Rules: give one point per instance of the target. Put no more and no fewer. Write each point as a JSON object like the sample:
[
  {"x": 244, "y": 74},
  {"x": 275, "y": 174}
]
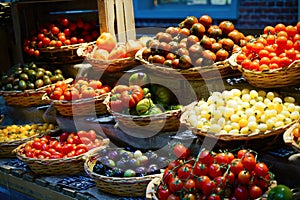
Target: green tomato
[
  {"x": 143, "y": 106},
  {"x": 129, "y": 173},
  {"x": 154, "y": 110},
  {"x": 280, "y": 192}
]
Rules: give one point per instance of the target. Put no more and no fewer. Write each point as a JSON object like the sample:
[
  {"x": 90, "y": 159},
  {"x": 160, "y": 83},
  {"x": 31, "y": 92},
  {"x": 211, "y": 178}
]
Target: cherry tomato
[
  {"x": 184, "y": 172},
  {"x": 206, "y": 157},
  {"x": 244, "y": 177},
  {"x": 222, "y": 158},
  {"x": 214, "y": 170},
  {"x": 249, "y": 163},
  {"x": 208, "y": 187},
  {"x": 163, "y": 192},
  {"x": 214, "y": 197},
  {"x": 63, "y": 137},
  {"x": 190, "y": 185},
  {"x": 80, "y": 151},
  {"x": 200, "y": 181},
  {"x": 200, "y": 169},
  {"x": 261, "y": 169},
  {"x": 255, "y": 192},
  {"x": 37, "y": 145},
  {"x": 67, "y": 148},
  {"x": 180, "y": 151},
  {"x": 236, "y": 166},
  {"x": 175, "y": 185},
  {"x": 241, "y": 192}
]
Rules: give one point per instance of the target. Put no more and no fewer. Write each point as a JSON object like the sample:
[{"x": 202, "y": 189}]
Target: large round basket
[
  {"x": 122, "y": 186},
  {"x": 289, "y": 138},
  {"x": 151, "y": 193},
  {"x": 276, "y": 78},
  {"x": 27, "y": 98},
  {"x": 61, "y": 166},
  {"x": 62, "y": 55},
  {"x": 79, "y": 107},
  {"x": 163, "y": 122},
  {"x": 218, "y": 70},
  {"x": 254, "y": 140},
  {"x": 6, "y": 148}
]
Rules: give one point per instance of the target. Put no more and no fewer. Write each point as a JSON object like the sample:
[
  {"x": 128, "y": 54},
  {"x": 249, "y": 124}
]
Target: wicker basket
[
  {"x": 276, "y": 78},
  {"x": 257, "y": 140},
  {"x": 288, "y": 137},
  {"x": 153, "y": 184},
  {"x": 218, "y": 70},
  {"x": 6, "y": 148},
  {"x": 62, "y": 55},
  {"x": 80, "y": 107},
  {"x": 125, "y": 186},
  {"x": 62, "y": 166},
  {"x": 164, "y": 122},
  {"x": 27, "y": 98}
]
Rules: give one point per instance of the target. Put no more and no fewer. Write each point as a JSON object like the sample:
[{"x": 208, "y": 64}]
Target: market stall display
[
  {"x": 59, "y": 156},
  {"x": 291, "y": 136},
  {"x": 80, "y": 98}
]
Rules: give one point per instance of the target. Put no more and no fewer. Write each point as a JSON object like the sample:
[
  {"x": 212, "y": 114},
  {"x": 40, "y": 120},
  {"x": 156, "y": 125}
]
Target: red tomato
[
  {"x": 222, "y": 158},
  {"x": 92, "y": 135},
  {"x": 167, "y": 175},
  {"x": 241, "y": 193},
  {"x": 63, "y": 137},
  {"x": 71, "y": 154},
  {"x": 220, "y": 181},
  {"x": 85, "y": 140},
  {"x": 180, "y": 151},
  {"x": 255, "y": 192},
  {"x": 249, "y": 163},
  {"x": 200, "y": 169},
  {"x": 53, "y": 143},
  {"x": 29, "y": 154},
  {"x": 190, "y": 185},
  {"x": 81, "y": 146},
  {"x": 57, "y": 93},
  {"x": 37, "y": 145},
  {"x": 88, "y": 92},
  {"x": 132, "y": 96},
  {"x": 175, "y": 185},
  {"x": 95, "y": 84},
  {"x": 52, "y": 151},
  {"x": 107, "y": 88},
  {"x": 230, "y": 177},
  {"x": 46, "y": 154},
  {"x": 261, "y": 169},
  {"x": 241, "y": 153},
  {"x": 67, "y": 148},
  {"x": 58, "y": 147},
  {"x": 244, "y": 177},
  {"x": 214, "y": 197},
  {"x": 163, "y": 192},
  {"x": 208, "y": 187},
  {"x": 236, "y": 166},
  {"x": 214, "y": 170},
  {"x": 200, "y": 181},
  {"x": 80, "y": 151},
  {"x": 173, "y": 164},
  {"x": 184, "y": 172},
  {"x": 28, "y": 148},
  {"x": 206, "y": 157}
]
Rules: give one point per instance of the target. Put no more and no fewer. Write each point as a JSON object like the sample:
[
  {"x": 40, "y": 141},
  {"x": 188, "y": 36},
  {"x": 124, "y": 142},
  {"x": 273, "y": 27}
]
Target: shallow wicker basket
[
  {"x": 79, "y": 107},
  {"x": 151, "y": 189},
  {"x": 276, "y": 78},
  {"x": 164, "y": 122},
  {"x": 122, "y": 186},
  {"x": 218, "y": 70},
  {"x": 62, "y": 55},
  {"x": 6, "y": 148},
  {"x": 288, "y": 137},
  {"x": 62, "y": 166},
  {"x": 234, "y": 140},
  {"x": 27, "y": 98}
]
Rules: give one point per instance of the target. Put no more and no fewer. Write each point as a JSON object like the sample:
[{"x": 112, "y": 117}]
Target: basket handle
[{"x": 2, "y": 118}]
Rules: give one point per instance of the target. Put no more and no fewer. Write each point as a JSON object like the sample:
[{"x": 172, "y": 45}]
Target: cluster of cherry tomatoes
[
  {"x": 60, "y": 33},
  {"x": 277, "y": 47},
  {"x": 214, "y": 176},
  {"x": 68, "y": 145},
  {"x": 79, "y": 90}
]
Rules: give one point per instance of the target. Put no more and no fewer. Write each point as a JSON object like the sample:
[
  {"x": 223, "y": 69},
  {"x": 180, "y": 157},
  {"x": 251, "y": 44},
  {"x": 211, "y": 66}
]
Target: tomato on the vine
[
  {"x": 244, "y": 177},
  {"x": 184, "y": 172},
  {"x": 255, "y": 192},
  {"x": 175, "y": 185},
  {"x": 261, "y": 169},
  {"x": 163, "y": 192},
  {"x": 180, "y": 151},
  {"x": 206, "y": 157},
  {"x": 200, "y": 169}
]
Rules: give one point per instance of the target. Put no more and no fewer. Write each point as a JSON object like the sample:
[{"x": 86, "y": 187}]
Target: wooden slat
[
  {"x": 129, "y": 20},
  {"x": 102, "y": 16},
  {"x": 120, "y": 21},
  {"x": 111, "y": 16}
]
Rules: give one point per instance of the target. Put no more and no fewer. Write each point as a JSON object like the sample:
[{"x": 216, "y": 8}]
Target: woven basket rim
[
  {"x": 77, "y": 101},
  {"x": 31, "y": 91},
  {"x": 65, "y": 47},
  {"x": 224, "y": 137},
  {"x": 143, "y": 117},
  {"x": 288, "y": 137},
  {"x": 21, "y": 141},
  {"x": 193, "y": 70},
  {"x": 131, "y": 180}
]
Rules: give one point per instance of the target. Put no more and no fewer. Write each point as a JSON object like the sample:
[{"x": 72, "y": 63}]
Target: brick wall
[{"x": 255, "y": 14}]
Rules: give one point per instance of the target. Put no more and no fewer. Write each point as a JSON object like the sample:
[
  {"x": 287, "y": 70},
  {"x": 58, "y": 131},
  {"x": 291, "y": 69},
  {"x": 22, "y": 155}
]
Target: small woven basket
[
  {"x": 288, "y": 137},
  {"x": 154, "y": 183},
  {"x": 164, "y": 122},
  {"x": 276, "y": 78},
  {"x": 122, "y": 186},
  {"x": 6, "y": 148},
  {"x": 27, "y": 98},
  {"x": 218, "y": 70},
  {"x": 79, "y": 107},
  {"x": 234, "y": 140},
  {"x": 62, "y": 166},
  {"x": 62, "y": 55}
]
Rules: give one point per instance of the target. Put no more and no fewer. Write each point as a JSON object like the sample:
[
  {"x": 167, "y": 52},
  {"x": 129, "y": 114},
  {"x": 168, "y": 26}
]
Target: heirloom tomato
[{"x": 132, "y": 96}]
